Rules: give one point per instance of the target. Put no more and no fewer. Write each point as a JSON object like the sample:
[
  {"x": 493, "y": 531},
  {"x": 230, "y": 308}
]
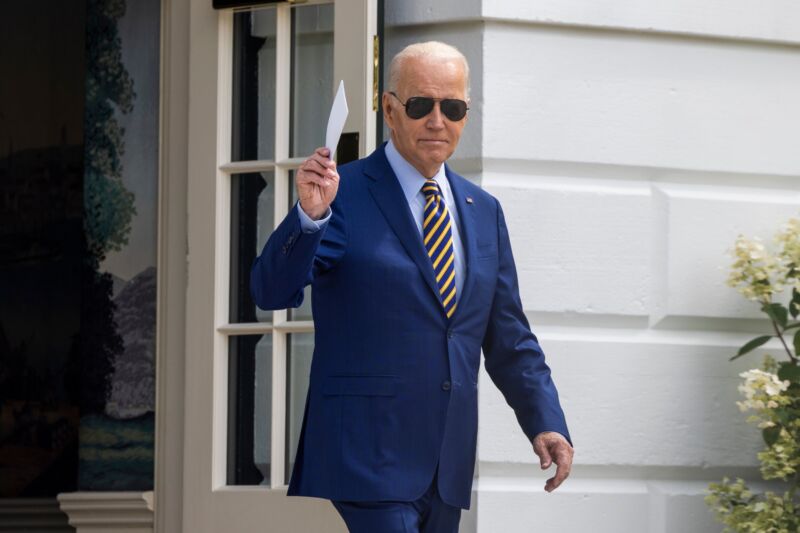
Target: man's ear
[{"x": 386, "y": 104}]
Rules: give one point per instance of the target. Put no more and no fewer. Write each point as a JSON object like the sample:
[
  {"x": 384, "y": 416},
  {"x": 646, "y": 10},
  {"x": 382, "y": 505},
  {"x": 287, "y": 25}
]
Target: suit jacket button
[
  {"x": 450, "y": 334},
  {"x": 445, "y": 385}
]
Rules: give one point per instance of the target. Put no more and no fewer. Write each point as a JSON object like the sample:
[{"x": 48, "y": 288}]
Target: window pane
[
  {"x": 253, "y": 135},
  {"x": 252, "y": 221},
  {"x": 300, "y": 349},
  {"x": 249, "y": 409},
  {"x": 312, "y": 76},
  {"x": 304, "y": 311}
]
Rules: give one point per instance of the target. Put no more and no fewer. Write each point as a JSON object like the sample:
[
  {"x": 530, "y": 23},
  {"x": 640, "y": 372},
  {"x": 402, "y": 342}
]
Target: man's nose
[{"x": 435, "y": 118}]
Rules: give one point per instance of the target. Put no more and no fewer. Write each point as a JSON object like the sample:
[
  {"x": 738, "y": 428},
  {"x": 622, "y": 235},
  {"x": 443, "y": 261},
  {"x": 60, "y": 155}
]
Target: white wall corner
[{"x": 109, "y": 512}]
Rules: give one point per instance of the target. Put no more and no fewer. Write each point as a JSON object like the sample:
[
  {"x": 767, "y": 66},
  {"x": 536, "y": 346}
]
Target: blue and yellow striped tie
[{"x": 437, "y": 236}]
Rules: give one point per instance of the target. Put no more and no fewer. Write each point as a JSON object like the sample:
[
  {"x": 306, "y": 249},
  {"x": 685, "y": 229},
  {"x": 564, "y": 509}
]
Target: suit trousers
[{"x": 426, "y": 514}]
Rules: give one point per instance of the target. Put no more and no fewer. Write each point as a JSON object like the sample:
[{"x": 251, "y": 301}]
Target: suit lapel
[
  {"x": 388, "y": 194},
  {"x": 466, "y": 216}
]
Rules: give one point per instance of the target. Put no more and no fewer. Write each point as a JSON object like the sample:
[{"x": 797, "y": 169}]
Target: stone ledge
[
  {"x": 109, "y": 512},
  {"x": 32, "y": 515}
]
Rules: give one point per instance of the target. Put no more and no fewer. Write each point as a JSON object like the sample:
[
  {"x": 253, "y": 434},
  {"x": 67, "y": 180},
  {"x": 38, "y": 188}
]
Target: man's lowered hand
[{"x": 552, "y": 447}]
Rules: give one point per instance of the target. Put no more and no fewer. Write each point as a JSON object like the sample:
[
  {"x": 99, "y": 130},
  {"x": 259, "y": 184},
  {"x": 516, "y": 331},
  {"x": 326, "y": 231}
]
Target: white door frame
[
  {"x": 208, "y": 504},
  {"x": 172, "y": 267}
]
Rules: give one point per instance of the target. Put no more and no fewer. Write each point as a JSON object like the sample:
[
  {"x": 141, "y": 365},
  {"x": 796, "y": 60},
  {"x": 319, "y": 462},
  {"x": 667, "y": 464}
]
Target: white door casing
[{"x": 210, "y": 504}]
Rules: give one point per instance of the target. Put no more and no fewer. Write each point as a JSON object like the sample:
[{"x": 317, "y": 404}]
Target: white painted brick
[
  {"x": 604, "y": 97},
  {"x": 525, "y": 510},
  {"x": 774, "y": 20},
  {"x": 602, "y": 505},
  {"x": 679, "y": 506},
  {"x": 581, "y": 250},
  {"x": 769, "y": 20},
  {"x": 701, "y": 228},
  {"x": 633, "y": 402}
]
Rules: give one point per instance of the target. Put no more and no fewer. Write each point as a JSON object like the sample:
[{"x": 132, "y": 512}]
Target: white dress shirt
[{"x": 411, "y": 181}]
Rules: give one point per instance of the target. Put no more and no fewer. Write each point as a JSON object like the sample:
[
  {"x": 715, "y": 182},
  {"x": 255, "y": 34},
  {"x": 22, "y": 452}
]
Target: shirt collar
[{"x": 409, "y": 177}]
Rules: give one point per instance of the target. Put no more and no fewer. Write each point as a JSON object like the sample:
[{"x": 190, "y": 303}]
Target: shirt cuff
[{"x": 310, "y": 225}]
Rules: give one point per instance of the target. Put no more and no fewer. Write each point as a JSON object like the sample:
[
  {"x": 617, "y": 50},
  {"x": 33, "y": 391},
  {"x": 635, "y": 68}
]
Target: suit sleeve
[
  {"x": 292, "y": 258},
  {"x": 513, "y": 358}
]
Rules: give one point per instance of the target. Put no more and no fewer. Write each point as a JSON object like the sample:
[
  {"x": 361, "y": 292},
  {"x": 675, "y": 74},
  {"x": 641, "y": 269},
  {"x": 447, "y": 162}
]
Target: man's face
[{"x": 428, "y": 141}]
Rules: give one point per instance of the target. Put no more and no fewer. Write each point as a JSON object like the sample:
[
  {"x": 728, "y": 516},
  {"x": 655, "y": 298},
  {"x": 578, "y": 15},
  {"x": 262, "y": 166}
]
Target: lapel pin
[{"x": 469, "y": 199}]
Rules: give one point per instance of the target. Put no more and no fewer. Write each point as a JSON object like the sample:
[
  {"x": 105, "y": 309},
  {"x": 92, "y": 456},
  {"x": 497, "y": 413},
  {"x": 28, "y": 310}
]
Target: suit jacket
[{"x": 393, "y": 388}]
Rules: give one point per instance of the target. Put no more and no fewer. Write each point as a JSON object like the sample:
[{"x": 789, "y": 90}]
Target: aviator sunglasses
[{"x": 419, "y": 106}]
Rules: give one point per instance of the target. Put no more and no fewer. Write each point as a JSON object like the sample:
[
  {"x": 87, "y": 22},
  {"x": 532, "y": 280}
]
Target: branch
[{"x": 779, "y": 334}]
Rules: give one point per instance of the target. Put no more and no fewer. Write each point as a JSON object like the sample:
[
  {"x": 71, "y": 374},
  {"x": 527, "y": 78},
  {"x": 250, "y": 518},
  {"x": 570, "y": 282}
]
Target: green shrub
[{"x": 772, "y": 393}]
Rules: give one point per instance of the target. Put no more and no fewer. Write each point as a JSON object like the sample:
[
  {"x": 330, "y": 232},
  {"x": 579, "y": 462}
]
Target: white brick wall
[{"x": 629, "y": 143}]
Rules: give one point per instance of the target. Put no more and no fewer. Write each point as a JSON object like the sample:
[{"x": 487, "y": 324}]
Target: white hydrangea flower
[
  {"x": 754, "y": 272},
  {"x": 758, "y": 386}
]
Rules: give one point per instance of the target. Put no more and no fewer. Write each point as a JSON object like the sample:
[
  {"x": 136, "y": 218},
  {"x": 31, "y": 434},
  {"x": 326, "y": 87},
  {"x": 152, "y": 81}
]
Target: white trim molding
[
  {"x": 172, "y": 265},
  {"x": 109, "y": 512},
  {"x": 32, "y": 515}
]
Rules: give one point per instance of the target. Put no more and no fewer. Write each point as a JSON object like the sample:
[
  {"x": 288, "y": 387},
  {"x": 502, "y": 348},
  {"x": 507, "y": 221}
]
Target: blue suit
[{"x": 394, "y": 383}]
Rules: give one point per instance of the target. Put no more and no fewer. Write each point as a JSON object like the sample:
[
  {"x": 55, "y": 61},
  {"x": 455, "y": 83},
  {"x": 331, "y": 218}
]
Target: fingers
[
  {"x": 551, "y": 448},
  {"x": 312, "y": 171},
  {"x": 563, "y": 459},
  {"x": 317, "y": 165},
  {"x": 540, "y": 448},
  {"x": 313, "y": 167},
  {"x": 322, "y": 156},
  {"x": 305, "y": 176}
]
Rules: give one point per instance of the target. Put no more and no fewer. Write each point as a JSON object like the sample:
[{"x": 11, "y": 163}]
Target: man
[{"x": 412, "y": 275}]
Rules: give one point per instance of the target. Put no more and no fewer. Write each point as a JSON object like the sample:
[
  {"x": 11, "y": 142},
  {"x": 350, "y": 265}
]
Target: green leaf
[
  {"x": 794, "y": 306},
  {"x": 783, "y": 415},
  {"x": 777, "y": 312},
  {"x": 752, "y": 345},
  {"x": 792, "y": 326},
  {"x": 789, "y": 371},
  {"x": 771, "y": 435},
  {"x": 797, "y": 343}
]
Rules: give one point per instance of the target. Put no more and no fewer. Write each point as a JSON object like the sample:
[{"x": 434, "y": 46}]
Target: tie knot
[{"x": 431, "y": 188}]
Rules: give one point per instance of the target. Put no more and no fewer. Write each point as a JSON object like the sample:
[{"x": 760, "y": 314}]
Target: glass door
[{"x": 276, "y": 68}]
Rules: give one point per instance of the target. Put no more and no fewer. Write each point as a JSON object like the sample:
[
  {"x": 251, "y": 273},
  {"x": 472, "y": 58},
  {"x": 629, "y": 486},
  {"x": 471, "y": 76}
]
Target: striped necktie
[{"x": 437, "y": 236}]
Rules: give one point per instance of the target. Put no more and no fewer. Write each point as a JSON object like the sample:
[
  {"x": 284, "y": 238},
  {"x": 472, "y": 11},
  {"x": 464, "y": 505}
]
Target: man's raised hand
[
  {"x": 552, "y": 447},
  {"x": 317, "y": 182}
]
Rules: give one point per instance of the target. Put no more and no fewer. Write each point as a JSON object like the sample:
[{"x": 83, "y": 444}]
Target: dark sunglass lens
[
  {"x": 454, "y": 109},
  {"x": 418, "y": 106}
]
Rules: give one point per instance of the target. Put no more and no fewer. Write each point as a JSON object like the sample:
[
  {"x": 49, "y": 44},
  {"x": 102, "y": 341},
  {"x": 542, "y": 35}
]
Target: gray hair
[{"x": 429, "y": 49}]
